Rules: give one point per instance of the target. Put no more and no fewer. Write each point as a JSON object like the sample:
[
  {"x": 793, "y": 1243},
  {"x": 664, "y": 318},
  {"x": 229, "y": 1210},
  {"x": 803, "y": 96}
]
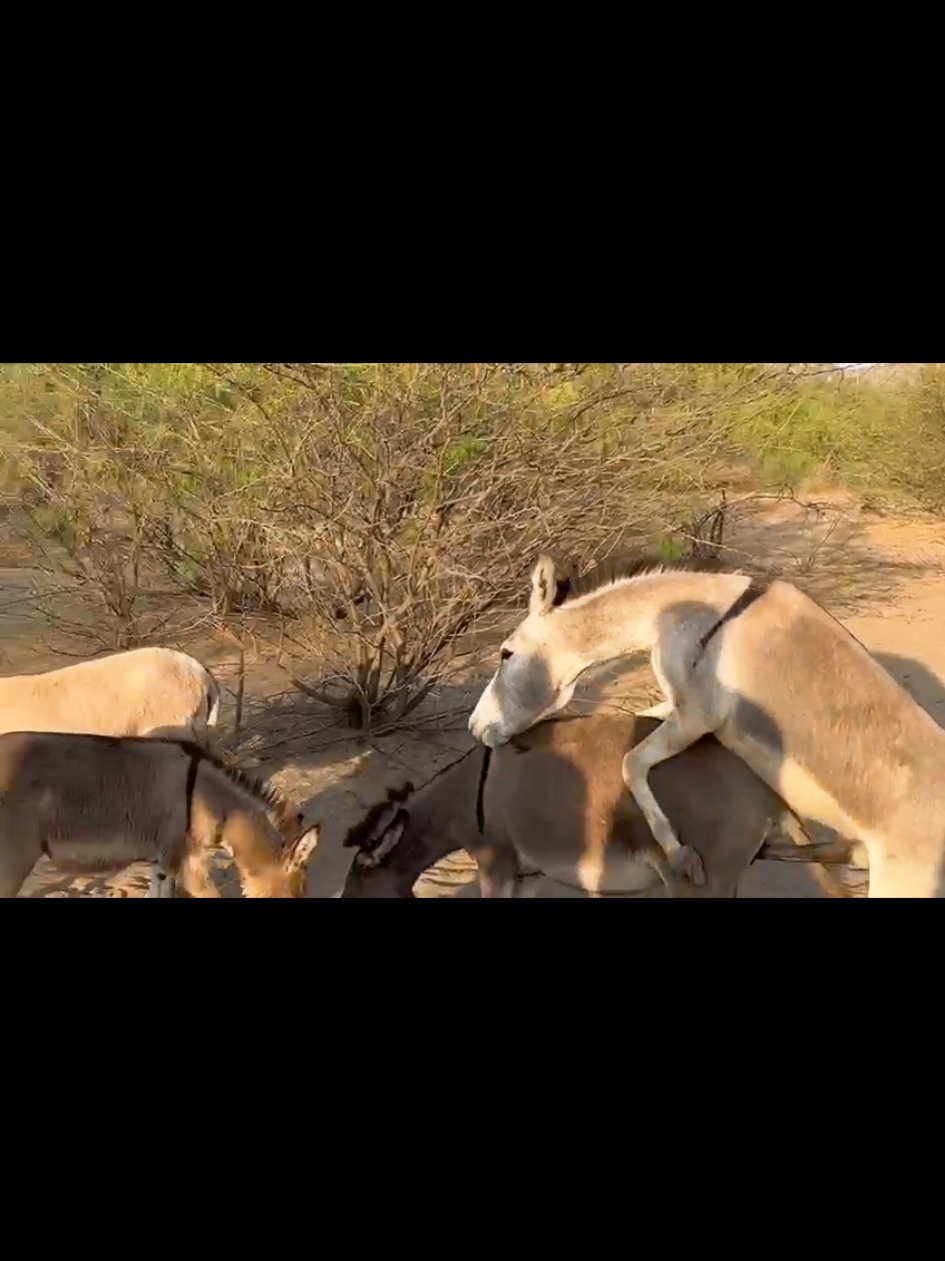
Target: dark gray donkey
[{"x": 555, "y": 804}]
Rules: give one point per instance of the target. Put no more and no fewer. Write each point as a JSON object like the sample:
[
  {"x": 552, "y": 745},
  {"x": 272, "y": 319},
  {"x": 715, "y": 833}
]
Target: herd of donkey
[{"x": 775, "y": 718}]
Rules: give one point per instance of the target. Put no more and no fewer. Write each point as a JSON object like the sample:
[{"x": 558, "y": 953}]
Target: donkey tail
[{"x": 214, "y": 700}]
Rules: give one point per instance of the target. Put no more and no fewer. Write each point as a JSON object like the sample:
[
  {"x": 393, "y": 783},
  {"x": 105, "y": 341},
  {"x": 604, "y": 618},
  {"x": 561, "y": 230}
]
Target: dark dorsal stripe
[
  {"x": 753, "y": 593},
  {"x": 265, "y": 793},
  {"x": 481, "y": 796},
  {"x": 195, "y": 757}
]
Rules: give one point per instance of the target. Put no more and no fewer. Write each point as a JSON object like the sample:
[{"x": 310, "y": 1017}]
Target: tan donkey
[
  {"x": 125, "y": 694},
  {"x": 554, "y": 803},
  {"x": 98, "y": 803},
  {"x": 774, "y": 677}
]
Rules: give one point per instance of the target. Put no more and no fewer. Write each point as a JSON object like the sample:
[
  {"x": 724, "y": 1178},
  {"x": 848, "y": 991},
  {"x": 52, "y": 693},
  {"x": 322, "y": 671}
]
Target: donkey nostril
[{"x": 507, "y": 655}]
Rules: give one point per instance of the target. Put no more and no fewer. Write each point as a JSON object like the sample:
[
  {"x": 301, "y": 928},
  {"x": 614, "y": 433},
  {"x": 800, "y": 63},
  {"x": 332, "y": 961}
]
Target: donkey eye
[{"x": 507, "y": 655}]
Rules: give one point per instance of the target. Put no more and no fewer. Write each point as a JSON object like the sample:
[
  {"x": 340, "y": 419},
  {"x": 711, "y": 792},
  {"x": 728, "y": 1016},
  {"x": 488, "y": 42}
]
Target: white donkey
[
  {"x": 127, "y": 694},
  {"x": 768, "y": 672}
]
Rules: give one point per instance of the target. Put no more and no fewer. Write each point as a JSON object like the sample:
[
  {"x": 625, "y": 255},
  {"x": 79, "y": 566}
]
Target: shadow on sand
[{"x": 925, "y": 688}]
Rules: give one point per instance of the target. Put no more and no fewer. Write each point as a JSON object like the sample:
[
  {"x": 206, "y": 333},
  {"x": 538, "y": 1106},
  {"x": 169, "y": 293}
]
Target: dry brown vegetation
[{"x": 368, "y": 524}]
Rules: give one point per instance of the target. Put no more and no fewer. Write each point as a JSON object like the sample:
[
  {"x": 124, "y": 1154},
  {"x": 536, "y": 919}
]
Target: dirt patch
[{"x": 885, "y": 579}]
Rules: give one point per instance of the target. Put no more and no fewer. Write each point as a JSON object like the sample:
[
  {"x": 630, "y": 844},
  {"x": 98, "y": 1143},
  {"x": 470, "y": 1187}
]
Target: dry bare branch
[{"x": 379, "y": 519}]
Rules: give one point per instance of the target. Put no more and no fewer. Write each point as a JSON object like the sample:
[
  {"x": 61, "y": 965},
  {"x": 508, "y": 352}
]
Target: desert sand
[{"x": 884, "y": 578}]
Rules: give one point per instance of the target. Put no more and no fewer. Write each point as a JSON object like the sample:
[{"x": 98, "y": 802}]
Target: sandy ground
[{"x": 885, "y": 579}]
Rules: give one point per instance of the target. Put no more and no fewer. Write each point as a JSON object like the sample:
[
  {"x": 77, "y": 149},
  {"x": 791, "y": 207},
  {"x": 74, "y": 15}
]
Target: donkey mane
[
  {"x": 264, "y": 791},
  {"x": 618, "y": 569}
]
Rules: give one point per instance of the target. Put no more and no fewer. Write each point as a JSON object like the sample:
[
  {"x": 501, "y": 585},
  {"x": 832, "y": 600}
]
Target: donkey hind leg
[
  {"x": 892, "y": 878},
  {"x": 14, "y": 872},
  {"x": 20, "y": 850},
  {"x": 678, "y": 733}
]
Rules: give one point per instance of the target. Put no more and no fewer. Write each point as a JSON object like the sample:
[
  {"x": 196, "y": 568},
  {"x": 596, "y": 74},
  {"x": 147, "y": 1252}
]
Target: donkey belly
[
  {"x": 103, "y": 851},
  {"x": 614, "y": 872}
]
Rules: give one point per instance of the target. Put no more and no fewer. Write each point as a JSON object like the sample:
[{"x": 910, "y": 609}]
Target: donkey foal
[{"x": 98, "y": 803}]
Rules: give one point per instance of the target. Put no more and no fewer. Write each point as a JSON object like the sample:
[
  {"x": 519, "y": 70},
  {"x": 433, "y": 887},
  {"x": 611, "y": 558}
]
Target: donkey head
[
  {"x": 374, "y": 873},
  {"x": 541, "y": 664},
  {"x": 284, "y": 877}
]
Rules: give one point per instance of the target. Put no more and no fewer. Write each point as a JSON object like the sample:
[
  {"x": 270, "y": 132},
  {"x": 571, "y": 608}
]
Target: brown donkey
[
  {"x": 100, "y": 803},
  {"x": 555, "y": 804}
]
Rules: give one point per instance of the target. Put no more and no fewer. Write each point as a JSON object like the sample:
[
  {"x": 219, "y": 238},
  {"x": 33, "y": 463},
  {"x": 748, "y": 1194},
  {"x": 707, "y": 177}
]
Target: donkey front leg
[
  {"x": 677, "y": 733},
  {"x": 161, "y": 884},
  {"x": 661, "y": 712},
  {"x": 196, "y": 875}
]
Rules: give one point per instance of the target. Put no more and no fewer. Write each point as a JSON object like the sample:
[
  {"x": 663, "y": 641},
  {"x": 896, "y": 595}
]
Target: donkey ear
[
  {"x": 544, "y": 587},
  {"x": 303, "y": 849}
]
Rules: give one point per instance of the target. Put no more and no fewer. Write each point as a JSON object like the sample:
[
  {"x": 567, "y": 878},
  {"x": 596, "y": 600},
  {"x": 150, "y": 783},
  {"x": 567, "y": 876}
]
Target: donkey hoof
[{"x": 686, "y": 863}]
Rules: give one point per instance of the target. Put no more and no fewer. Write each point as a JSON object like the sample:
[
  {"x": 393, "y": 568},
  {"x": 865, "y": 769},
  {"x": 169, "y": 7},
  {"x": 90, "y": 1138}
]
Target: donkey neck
[
  {"x": 442, "y": 818},
  {"x": 633, "y": 614}
]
